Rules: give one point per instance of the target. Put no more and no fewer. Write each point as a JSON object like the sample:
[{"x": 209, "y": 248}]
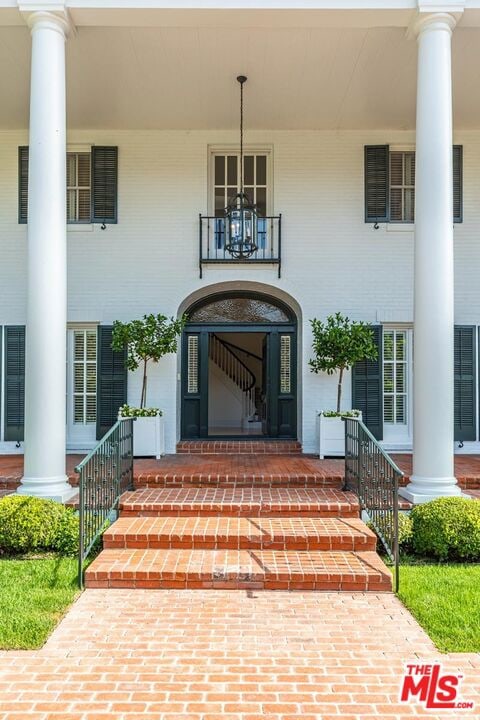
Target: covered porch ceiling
[{"x": 178, "y": 71}]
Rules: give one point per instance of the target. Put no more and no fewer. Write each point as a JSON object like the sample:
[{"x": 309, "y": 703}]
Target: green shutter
[
  {"x": 457, "y": 183},
  {"x": 367, "y": 388},
  {"x": 465, "y": 426},
  {"x": 22, "y": 184},
  {"x": 14, "y": 382},
  {"x": 111, "y": 381},
  {"x": 104, "y": 184},
  {"x": 376, "y": 183}
]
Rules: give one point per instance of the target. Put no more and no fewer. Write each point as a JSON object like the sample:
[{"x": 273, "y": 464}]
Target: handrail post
[
  {"x": 396, "y": 547},
  {"x": 360, "y": 467},
  {"x": 81, "y": 530}
]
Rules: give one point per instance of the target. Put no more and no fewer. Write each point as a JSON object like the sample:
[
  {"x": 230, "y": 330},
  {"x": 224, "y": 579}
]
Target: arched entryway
[{"x": 239, "y": 375}]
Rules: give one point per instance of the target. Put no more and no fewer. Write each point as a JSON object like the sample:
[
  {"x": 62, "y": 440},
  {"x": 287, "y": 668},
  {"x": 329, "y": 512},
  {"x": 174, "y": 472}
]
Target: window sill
[
  {"x": 79, "y": 227},
  {"x": 400, "y": 227}
]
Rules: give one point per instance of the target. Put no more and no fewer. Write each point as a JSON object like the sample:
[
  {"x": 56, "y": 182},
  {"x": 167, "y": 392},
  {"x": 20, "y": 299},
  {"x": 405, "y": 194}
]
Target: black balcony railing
[{"x": 212, "y": 242}]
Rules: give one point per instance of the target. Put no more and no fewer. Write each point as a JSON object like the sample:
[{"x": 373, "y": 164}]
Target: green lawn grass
[
  {"x": 34, "y": 595},
  {"x": 445, "y": 599}
]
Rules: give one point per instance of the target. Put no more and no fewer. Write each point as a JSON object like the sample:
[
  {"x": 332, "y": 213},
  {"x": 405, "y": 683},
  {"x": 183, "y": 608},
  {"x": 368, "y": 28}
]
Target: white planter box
[
  {"x": 149, "y": 437},
  {"x": 332, "y": 436}
]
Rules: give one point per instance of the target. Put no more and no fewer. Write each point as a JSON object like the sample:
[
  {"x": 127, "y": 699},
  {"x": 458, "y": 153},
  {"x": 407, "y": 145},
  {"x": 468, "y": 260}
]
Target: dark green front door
[
  {"x": 281, "y": 384},
  {"x": 279, "y": 392},
  {"x": 195, "y": 384}
]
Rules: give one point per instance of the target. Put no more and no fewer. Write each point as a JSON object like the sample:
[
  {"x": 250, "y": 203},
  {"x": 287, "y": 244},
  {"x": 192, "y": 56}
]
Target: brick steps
[
  {"x": 237, "y": 470},
  {"x": 251, "y": 534},
  {"x": 239, "y": 569},
  {"x": 166, "y": 480},
  {"x": 239, "y": 502},
  {"x": 221, "y": 533},
  {"x": 247, "y": 447}
]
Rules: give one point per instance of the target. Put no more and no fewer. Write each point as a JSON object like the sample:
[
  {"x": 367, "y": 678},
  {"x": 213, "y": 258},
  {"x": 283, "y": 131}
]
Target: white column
[
  {"x": 433, "y": 459},
  {"x": 45, "y": 363}
]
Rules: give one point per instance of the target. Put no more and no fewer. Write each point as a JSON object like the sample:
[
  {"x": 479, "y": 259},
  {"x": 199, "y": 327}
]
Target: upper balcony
[{"x": 214, "y": 246}]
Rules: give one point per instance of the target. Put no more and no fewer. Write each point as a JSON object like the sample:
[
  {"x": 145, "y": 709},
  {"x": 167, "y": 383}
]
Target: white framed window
[
  {"x": 84, "y": 376},
  {"x": 78, "y": 187},
  {"x": 395, "y": 376},
  {"x": 226, "y": 180},
  {"x": 402, "y": 186}
]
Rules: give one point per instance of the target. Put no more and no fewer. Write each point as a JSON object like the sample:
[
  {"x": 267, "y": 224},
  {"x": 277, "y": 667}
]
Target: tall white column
[
  {"x": 45, "y": 363},
  {"x": 433, "y": 459}
]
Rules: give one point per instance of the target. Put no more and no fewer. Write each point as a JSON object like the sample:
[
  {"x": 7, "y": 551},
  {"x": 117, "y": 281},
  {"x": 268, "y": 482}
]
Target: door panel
[
  {"x": 265, "y": 393},
  {"x": 195, "y": 385},
  {"x": 281, "y": 385}
]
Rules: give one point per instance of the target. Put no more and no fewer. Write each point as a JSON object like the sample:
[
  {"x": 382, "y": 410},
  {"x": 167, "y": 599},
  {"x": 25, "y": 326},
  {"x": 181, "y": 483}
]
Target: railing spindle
[
  {"x": 101, "y": 482},
  {"x": 374, "y": 477}
]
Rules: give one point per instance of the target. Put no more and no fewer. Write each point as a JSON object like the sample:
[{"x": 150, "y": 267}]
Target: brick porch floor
[
  {"x": 228, "y": 655},
  {"x": 467, "y": 467}
]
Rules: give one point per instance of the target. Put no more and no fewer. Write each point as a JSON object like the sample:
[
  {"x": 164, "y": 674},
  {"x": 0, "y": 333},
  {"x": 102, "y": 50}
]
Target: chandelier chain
[{"x": 241, "y": 137}]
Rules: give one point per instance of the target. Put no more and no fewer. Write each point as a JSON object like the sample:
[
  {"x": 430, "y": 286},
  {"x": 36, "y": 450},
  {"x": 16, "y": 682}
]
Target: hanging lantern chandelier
[{"x": 241, "y": 213}]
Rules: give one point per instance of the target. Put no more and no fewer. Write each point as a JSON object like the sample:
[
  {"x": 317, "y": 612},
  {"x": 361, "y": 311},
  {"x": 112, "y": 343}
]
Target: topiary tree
[
  {"x": 338, "y": 344},
  {"x": 150, "y": 338}
]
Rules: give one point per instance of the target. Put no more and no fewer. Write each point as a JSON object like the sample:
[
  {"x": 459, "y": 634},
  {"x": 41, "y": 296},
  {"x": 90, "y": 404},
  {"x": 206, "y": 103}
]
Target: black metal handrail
[
  {"x": 373, "y": 476},
  {"x": 212, "y": 242},
  {"x": 105, "y": 473}
]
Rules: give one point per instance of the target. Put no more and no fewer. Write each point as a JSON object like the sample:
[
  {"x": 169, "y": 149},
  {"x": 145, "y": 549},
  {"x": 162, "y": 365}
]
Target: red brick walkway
[{"x": 227, "y": 655}]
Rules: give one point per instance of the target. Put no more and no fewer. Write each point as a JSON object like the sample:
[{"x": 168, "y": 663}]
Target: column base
[
  {"x": 50, "y": 488},
  {"x": 423, "y": 489}
]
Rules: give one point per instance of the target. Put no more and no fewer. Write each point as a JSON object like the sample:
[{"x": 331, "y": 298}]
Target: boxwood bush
[
  {"x": 404, "y": 530},
  {"x": 29, "y": 524},
  {"x": 447, "y": 528}
]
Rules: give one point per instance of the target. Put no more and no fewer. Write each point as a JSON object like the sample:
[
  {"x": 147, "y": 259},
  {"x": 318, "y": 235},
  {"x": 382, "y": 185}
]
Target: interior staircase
[
  {"x": 295, "y": 530},
  {"x": 236, "y": 371}
]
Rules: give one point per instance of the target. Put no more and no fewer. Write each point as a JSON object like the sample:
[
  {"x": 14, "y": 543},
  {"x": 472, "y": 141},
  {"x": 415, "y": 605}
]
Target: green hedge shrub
[
  {"x": 405, "y": 530},
  {"x": 29, "y": 524},
  {"x": 447, "y": 528}
]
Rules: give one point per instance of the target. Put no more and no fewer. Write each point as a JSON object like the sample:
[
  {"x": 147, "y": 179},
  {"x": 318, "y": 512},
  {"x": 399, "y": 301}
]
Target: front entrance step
[
  {"x": 238, "y": 471},
  {"x": 242, "y": 447},
  {"x": 239, "y": 569},
  {"x": 222, "y": 533},
  {"x": 239, "y": 502}
]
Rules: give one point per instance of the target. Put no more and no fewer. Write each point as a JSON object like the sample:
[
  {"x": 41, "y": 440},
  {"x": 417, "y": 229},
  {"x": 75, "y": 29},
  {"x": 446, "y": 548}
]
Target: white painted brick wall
[{"x": 332, "y": 260}]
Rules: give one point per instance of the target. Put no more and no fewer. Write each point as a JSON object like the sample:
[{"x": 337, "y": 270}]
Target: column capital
[
  {"x": 52, "y": 14},
  {"x": 427, "y": 22}
]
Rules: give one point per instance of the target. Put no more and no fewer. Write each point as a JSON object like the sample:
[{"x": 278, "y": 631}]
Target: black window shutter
[
  {"x": 23, "y": 184},
  {"x": 104, "y": 184},
  {"x": 367, "y": 388},
  {"x": 457, "y": 183},
  {"x": 465, "y": 426},
  {"x": 111, "y": 381},
  {"x": 376, "y": 183},
  {"x": 14, "y": 382}
]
